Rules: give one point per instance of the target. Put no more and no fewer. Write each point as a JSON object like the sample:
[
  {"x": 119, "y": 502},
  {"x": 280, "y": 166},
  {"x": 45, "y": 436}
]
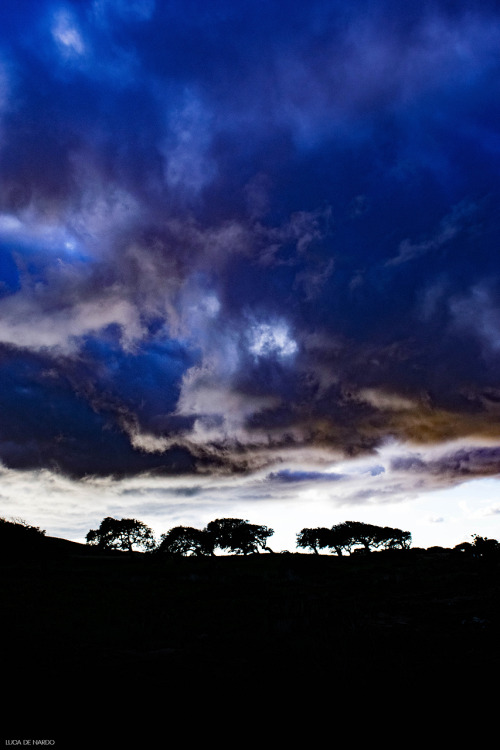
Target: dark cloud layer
[{"x": 231, "y": 231}]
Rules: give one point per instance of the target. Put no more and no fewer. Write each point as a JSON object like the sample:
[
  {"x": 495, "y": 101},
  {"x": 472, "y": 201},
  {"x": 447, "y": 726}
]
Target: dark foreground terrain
[
  {"x": 93, "y": 624},
  {"x": 302, "y": 613}
]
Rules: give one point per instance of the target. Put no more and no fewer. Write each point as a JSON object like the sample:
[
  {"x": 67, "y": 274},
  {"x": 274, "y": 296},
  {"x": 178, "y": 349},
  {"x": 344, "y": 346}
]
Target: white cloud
[
  {"x": 271, "y": 338},
  {"x": 221, "y": 412},
  {"x": 382, "y": 400},
  {"x": 26, "y": 323},
  {"x": 66, "y": 35}
]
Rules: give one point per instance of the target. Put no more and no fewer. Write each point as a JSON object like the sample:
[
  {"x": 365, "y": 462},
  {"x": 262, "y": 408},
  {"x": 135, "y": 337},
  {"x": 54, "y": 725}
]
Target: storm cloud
[{"x": 239, "y": 233}]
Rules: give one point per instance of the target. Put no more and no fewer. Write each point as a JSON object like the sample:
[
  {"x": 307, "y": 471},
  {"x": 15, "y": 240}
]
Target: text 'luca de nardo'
[{"x": 30, "y": 742}]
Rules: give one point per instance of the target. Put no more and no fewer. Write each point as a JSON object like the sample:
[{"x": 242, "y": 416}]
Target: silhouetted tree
[
  {"x": 389, "y": 538},
  {"x": 400, "y": 538},
  {"x": 237, "y": 535},
  {"x": 185, "y": 540},
  {"x": 340, "y": 538},
  {"x": 481, "y": 548},
  {"x": 362, "y": 533},
  {"x": 314, "y": 539},
  {"x": 484, "y": 547},
  {"x": 124, "y": 534}
]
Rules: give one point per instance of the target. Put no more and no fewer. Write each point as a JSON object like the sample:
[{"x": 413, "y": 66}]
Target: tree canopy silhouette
[
  {"x": 123, "y": 534},
  {"x": 185, "y": 540},
  {"x": 481, "y": 547},
  {"x": 237, "y": 535},
  {"x": 484, "y": 547},
  {"x": 231, "y": 534},
  {"x": 349, "y": 534},
  {"x": 371, "y": 536},
  {"x": 314, "y": 539}
]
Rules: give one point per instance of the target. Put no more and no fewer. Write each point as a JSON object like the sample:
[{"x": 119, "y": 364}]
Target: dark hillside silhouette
[
  {"x": 19, "y": 538},
  {"x": 148, "y": 616},
  {"x": 89, "y": 622},
  {"x": 21, "y": 541}
]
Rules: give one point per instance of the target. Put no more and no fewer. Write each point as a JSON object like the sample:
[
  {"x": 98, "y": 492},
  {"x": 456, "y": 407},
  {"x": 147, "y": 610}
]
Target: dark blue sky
[{"x": 234, "y": 230}]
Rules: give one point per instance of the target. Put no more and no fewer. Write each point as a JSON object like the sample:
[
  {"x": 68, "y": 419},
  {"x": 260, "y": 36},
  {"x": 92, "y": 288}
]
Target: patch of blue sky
[
  {"x": 150, "y": 377},
  {"x": 9, "y": 272},
  {"x": 29, "y": 236},
  {"x": 290, "y": 475}
]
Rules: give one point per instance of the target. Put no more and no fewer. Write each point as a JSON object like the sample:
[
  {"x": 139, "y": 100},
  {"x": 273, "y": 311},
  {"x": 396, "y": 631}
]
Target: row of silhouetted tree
[
  {"x": 238, "y": 536},
  {"x": 227, "y": 534},
  {"x": 345, "y": 536}
]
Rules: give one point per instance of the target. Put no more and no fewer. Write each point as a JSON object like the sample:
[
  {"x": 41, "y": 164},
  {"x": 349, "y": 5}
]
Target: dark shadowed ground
[{"x": 81, "y": 628}]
